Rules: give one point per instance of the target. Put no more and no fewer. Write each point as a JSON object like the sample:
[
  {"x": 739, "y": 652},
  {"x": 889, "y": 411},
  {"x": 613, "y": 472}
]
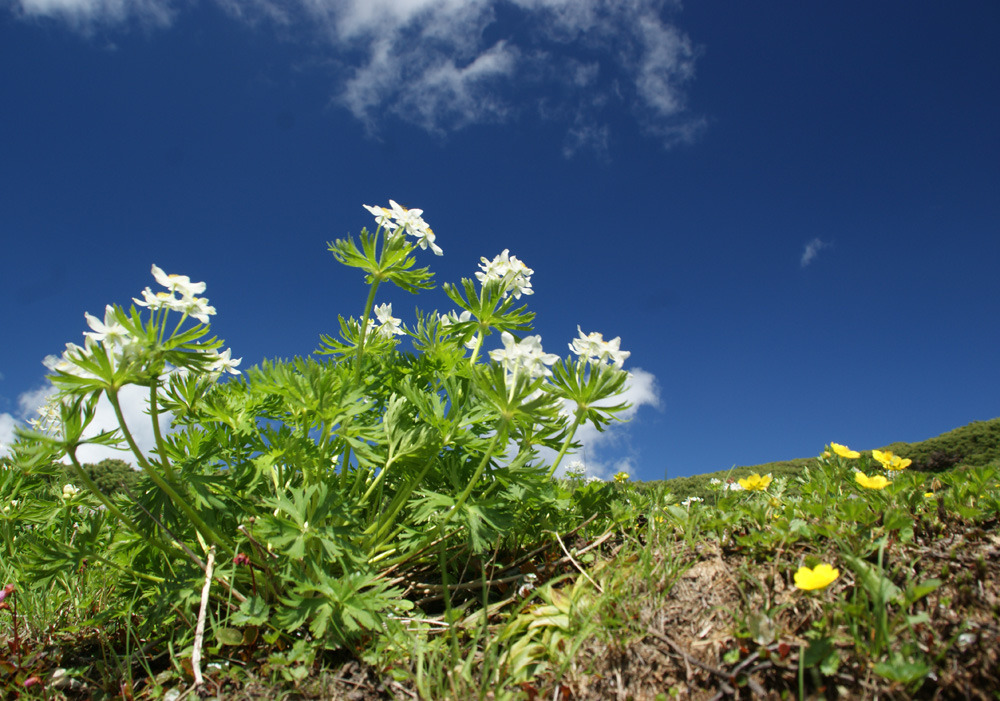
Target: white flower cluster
[
  {"x": 691, "y": 500},
  {"x": 388, "y": 324},
  {"x": 400, "y": 220},
  {"x": 525, "y": 356},
  {"x": 114, "y": 340},
  {"x": 507, "y": 267},
  {"x": 594, "y": 349},
  {"x": 49, "y": 416},
  {"x": 188, "y": 302}
]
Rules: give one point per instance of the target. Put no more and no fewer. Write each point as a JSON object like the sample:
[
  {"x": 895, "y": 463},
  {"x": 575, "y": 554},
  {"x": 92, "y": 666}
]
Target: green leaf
[
  {"x": 899, "y": 669},
  {"x": 253, "y": 612},
  {"x": 915, "y": 592},
  {"x": 229, "y": 636},
  {"x": 896, "y": 519},
  {"x": 879, "y": 587},
  {"x": 819, "y": 651}
]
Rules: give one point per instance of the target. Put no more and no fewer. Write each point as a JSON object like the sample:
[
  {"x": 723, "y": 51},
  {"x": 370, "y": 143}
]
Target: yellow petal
[
  {"x": 817, "y": 578},
  {"x": 876, "y": 482},
  {"x": 843, "y": 451}
]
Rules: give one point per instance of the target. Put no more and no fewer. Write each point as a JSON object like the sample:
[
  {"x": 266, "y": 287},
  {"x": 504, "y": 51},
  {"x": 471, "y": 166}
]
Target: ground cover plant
[
  {"x": 376, "y": 520},
  {"x": 974, "y": 445}
]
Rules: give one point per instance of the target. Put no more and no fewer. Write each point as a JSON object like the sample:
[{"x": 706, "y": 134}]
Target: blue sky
[{"x": 789, "y": 212}]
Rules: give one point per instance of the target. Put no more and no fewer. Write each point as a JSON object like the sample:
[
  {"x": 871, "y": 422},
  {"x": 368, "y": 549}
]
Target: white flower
[
  {"x": 49, "y": 415},
  {"x": 454, "y": 317},
  {"x": 508, "y": 268},
  {"x": 409, "y": 220},
  {"x": 69, "y": 491},
  {"x": 526, "y": 356},
  {"x": 109, "y": 330},
  {"x": 400, "y": 220},
  {"x": 181, "y": 284},
  {"x": 188, "y": 303},
  {"x": 389, "y": 324},
  {"x": 196, "y": 307},
  {"x": 576, "y": 469},
  {"x": 156, "y": 300},
  {"x": 67, "y": 363},
  {"x": 383, "y": 217},
  {"x": 426, "y": 238},
  {"x": 594, "y": 349},
  {"x": 223, "y": 362},
  {"x": 691, "y": 500}
]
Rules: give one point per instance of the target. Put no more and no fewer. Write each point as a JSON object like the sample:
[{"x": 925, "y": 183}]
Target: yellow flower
[
  {"x": 755, "y": 482},
  {"x": 826, "y": 454},
  {"x": 876, "y": 482},
  {"x": 817, "y": 578},
  {"x": 928, "y": 495},
  {"x": 621, "y": 476},
  {"x": 843, "y": 451},
  {"x": 890, "y": 461}
]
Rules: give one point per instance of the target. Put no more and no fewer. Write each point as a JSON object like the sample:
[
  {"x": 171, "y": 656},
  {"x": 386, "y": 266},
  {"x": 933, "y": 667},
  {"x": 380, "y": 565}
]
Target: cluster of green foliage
[
  {"x": 309, "y": 502},
  {"x": 110, "y": 475}
]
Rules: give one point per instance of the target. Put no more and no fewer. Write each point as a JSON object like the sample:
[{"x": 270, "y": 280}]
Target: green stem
[
  {"x": 569, "y": 439},
  {"x": 108, "y": 504},
  {"x": 139, "y": 575},
  {"x": 96, "y": 491},
  {"x": 179, "y": 501},
  {"x": 369, "y": 305},
  {"x": 386, "y": 519},
  {"x": 475, "y": 351},
  {"x": 160, "y": 446},
  {"x": 375, "y": 482},
  {"x": 464, "y": 496}
]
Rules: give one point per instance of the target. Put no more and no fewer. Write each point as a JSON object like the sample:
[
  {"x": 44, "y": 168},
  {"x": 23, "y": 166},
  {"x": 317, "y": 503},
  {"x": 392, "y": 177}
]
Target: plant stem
[
  {"x": 92, "y": 486},
  {"x": 464, "y": 496},
  {"x": 569, "y": 439},
  {"x": 182, "y": 503},
  {"x": 160, "y": 446}
]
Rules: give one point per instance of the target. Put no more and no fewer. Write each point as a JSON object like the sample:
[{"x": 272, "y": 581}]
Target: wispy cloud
[
  {"x": 87, "y": 16},
  {"x": 447, "y": 64},
  {"x": 812, "y": 250}
]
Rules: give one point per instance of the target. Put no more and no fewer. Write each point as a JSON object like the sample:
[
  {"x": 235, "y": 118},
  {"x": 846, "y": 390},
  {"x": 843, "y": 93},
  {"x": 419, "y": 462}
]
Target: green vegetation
[
  {"x": 643, "y": 596},
  {"x": 974, "y": 445},
  {"x": 372, "y": 522}
]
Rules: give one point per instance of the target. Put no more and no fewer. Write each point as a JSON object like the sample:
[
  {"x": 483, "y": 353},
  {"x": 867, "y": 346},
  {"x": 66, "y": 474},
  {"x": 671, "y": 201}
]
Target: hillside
[{"x": 974, "y": 445}]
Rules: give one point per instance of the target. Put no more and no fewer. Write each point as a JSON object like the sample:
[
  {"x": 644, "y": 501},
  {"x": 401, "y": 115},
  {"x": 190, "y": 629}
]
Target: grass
[{"x": 651, "y": 600}]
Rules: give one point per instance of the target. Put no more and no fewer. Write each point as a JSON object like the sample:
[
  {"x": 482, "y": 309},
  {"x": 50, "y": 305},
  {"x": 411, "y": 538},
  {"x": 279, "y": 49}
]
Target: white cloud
[
  {"x": 31, "y": 401},
  {"x": 446, "y": 64},
  {"x": 7, "y": 424},
  {"x": 812, "y": 250}
]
